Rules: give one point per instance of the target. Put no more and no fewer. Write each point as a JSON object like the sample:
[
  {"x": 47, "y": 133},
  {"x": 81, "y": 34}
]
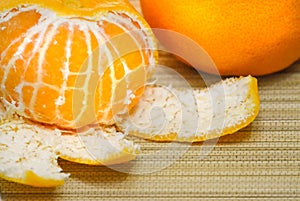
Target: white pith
[
  {"x": 191, "y": 113},
  {"x": 27, "y": 146}
]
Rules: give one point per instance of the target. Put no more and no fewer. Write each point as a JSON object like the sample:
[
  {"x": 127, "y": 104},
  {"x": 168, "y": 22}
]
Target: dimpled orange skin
[
  {"x": 52, "y": 66},
  {"x": 254, "y": 37}
]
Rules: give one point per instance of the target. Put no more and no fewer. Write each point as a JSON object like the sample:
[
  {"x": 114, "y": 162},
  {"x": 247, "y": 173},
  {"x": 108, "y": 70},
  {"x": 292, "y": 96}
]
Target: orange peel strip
[
  {"x": 221, "y": 109},
  {"x": 29, "y": 151}
]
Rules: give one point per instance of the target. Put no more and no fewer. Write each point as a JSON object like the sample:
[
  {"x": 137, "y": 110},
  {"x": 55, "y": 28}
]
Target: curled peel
[
  {"x": 218, "y": 110},
  {"x": 29, "y": 151}
]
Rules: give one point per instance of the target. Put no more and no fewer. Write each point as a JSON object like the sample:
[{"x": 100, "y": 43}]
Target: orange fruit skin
[
  {"x": 254, "y": 37},
  {"x": 69, "y": 63},
  {"x": 36, "y": 181}
]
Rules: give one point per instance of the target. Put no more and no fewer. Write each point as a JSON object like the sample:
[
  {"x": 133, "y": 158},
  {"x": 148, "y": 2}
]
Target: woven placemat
[{"x": 260, "y": 162}]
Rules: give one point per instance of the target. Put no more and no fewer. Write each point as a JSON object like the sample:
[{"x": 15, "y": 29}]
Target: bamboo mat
[{"x": 260, "y": 162}]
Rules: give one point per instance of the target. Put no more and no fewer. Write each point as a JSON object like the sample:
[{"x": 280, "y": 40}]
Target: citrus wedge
[{"x": 167, "y": 114}]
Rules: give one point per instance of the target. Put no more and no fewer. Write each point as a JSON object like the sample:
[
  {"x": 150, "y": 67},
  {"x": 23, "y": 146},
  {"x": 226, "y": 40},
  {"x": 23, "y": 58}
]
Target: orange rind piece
[
  {"x": 29, "y": 151},
  {"x": 193, "y": 115}
]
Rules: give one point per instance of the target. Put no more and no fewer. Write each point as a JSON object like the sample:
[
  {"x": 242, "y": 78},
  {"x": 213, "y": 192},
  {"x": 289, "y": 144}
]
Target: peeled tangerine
[
  {"x": 68, "y": 65},
  {"x": 63, "y": 61}
]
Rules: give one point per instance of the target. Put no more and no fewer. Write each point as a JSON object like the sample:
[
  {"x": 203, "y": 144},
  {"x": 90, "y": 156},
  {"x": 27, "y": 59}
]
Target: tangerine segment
[
  {"x": 10, "y": 36},
  {"x": 60, "y": 55},
  {"x": 193, "y": 115}
]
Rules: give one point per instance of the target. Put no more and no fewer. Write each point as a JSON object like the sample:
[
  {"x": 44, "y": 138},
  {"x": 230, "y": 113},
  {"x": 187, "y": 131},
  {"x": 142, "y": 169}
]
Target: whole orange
[{"x": 254, "y": 37}]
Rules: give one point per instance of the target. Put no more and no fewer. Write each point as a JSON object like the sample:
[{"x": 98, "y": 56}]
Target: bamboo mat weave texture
[{"x": 260, "y": 162}]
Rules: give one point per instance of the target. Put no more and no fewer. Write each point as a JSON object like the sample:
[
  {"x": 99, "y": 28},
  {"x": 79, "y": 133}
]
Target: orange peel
[
  {"x": 29, "y": 151},
  {"x": 218, "y": 110}
]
